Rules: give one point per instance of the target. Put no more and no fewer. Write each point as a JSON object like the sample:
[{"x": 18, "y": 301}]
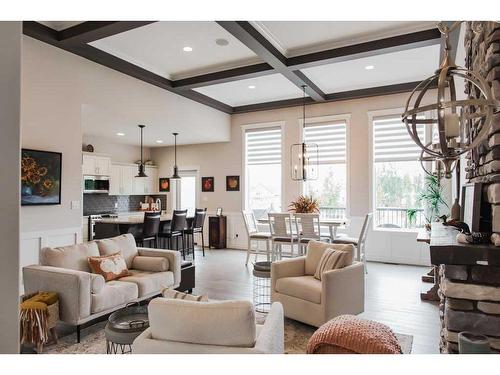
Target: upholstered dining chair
[
  {"x": 360, "y": 242},
  {"x": 254, "y": 235},
  {"x": 307, "y": 226},
  {"x": 280, "y": 226}
]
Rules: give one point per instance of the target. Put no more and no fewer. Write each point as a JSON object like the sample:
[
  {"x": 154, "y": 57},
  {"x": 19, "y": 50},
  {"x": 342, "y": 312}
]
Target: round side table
[
  {"x": 123, "y": 327},
  {"x": 262, "y": 286}
]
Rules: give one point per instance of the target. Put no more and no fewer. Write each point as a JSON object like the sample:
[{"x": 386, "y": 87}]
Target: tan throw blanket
[{"x": 348, "y": 334}]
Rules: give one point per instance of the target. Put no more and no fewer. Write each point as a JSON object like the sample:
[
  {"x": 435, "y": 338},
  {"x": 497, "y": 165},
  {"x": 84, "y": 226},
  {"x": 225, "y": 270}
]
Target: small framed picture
[
  {"x": 219, "y": 211},
  {"x": 164, "y": 185},
  {"x": 232, "y": 183},
  {"x": 207, "y": 184}
]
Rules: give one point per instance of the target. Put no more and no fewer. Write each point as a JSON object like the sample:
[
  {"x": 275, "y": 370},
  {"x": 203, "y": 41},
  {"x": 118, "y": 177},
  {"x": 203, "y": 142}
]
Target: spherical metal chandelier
[{"x": 458, "y": 125}]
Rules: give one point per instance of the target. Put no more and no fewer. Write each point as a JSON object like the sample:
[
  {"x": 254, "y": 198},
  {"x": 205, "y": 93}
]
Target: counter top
[{"x": 135, "y": 219}]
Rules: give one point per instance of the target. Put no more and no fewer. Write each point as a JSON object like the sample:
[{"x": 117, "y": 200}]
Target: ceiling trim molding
[
  {"x": 250, "y": 37},
  {"x": 373, "y": 48}
]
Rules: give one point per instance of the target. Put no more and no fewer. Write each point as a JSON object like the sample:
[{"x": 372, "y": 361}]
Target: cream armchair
[
  {"x": 314, "y": 301},
  {"x": 216, "y": 327}
]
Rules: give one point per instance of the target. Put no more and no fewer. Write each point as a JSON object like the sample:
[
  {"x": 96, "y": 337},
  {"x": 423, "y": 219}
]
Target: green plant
[
  {"x": 432, "y": 198},
  {"x": 304, "y": 205}
]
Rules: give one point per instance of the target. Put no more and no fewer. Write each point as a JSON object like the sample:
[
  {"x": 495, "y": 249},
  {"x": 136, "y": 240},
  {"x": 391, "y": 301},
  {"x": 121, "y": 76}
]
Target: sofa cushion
[
  {"x": 315, "y": 250},
  {"x": 331, "y": 260},
  {"x": 124, "y": 243},
  {"x": 97, "y": 283},
  {"x": 303, "y": 287},
  {"x": 72, "y": 257},
  {"x": 111, "y": 267},
  {"x": 150, "y": 282},
  {"x": 174, "y": 294},
  {"x": 153, "y": 264},
  {"x": 227, "y": 323},
  {"x": 114, "y": 293}
]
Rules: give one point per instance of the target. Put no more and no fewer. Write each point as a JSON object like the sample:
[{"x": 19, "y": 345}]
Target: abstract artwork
[{"x": 207, "y": 184}]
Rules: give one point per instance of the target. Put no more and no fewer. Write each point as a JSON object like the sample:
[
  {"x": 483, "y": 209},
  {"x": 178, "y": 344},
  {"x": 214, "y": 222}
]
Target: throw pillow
[
  {"x": 111, "y": 267},
  {"x": 174, "y": 294},
  {"x": 330, "y": 260}
]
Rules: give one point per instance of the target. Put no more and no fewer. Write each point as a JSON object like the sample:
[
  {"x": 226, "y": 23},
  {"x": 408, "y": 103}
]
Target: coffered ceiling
[{"x": 239, "y": 66}]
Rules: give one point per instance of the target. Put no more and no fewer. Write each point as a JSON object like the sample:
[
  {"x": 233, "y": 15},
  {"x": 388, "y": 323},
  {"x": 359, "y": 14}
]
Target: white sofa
[
  {"x": 217, "y": 327},
  {"x": 84, "y": 296},
  {"x": 313, "y": 301}
]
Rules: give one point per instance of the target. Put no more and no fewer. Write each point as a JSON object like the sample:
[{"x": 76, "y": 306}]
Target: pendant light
[
  {"x": 304, "y": 157},
  {"x": 175, "y": 176},
  {"x": 141, "y": 165}
]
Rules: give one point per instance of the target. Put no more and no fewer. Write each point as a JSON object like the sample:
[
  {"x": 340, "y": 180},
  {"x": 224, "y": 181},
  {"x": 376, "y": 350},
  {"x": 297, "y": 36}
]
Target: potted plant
[
  {"x": 432, "y": 198},
  {"x": 304, "y": 205}
]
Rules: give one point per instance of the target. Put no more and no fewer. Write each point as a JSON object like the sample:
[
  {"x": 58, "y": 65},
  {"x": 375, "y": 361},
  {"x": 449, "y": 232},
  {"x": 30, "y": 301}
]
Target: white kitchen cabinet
[
  {"x": 96, "y": 165},
  {"x": 122, "y": 180}
]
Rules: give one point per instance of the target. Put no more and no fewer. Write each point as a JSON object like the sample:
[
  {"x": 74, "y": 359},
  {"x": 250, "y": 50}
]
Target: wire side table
[{"x": 262, "y": 286}]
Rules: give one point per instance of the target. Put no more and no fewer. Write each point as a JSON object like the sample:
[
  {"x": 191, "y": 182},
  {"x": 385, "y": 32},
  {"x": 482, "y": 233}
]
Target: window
[
  {"x": 397, "y": 175},
  {"x": 331, "y": 186},
  {"x": 185, "y": 191},
  {"x": 263, "y": 170}
]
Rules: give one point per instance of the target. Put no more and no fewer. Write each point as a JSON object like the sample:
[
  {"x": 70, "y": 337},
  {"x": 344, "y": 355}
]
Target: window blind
[
  {"x": 391, "y": 141},
  {"x": 263, "y": 146},
  {"x": 331, "y": 141}
]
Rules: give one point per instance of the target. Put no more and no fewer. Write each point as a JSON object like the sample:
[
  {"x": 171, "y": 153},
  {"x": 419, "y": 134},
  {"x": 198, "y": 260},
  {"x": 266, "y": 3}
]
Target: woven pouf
[{"x": 348, "y": 334}]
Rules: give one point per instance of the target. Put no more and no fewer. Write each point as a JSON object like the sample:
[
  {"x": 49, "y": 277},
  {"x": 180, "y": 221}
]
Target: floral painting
[
  {"x": 40, "y": 177},
  {"x": 164, "y": 185},
  {"x": 232, "y": 183}
]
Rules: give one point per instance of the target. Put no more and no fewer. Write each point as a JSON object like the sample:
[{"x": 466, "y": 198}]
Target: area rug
[{"x": 296, "y": 337}]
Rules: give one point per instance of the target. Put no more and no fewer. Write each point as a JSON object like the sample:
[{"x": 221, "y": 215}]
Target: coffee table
[{"x": 124, "y": 326}]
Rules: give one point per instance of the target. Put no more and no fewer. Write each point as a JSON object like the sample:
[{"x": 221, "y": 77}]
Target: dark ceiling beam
[
  {"x": 250, "y": 37},
  {"x": 50, "y": 36},
  {"x": 90, "y": 31},
  {"x": 344, "y": 95},
  {"x": 367, "y": 49},
  {"x": 229, "y": 75}
]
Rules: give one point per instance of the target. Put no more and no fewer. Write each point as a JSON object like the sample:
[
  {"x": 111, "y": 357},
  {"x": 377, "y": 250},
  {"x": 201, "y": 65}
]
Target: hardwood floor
[{"x": 392, "y": 293}]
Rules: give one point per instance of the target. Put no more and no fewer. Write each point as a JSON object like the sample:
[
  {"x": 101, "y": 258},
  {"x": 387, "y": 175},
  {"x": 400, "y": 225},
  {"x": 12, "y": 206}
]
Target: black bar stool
[
  {"x": 176, "y": 230},
  {"x": 196, "y": 227},
  {"x": 150, "y": 229}
]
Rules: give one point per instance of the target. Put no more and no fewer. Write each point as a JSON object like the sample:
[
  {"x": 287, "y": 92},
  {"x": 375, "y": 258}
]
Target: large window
[
  {"x": 330, "y": 187},
  {"x": 263, "y": 170},
  {"x": 397, "y": 175}
]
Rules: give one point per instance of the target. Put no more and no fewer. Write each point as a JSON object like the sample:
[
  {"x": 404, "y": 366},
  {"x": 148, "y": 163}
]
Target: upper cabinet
[
  {"x": 122, "y": 180},
  {"x": 96, "y": 165}
]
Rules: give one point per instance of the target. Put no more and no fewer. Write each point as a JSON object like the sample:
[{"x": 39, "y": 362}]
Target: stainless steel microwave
[{"x": 95, "y": 184}]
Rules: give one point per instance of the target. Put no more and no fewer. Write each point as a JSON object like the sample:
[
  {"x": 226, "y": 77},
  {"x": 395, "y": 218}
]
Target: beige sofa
[
  {"x": 216, "y": 327},
  {"x": 313, "y": 301},
  {"x": 85, "y": 296}
]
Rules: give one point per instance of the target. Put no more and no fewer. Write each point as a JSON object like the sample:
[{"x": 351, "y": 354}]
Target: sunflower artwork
[{"x": 40, "y": 177}]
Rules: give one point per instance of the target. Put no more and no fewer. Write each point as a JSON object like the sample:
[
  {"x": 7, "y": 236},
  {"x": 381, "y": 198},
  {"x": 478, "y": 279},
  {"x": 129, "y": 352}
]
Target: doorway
[{"x": 186, "y": 192}]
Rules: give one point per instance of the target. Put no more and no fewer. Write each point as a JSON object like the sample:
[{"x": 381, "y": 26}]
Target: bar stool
[
  {"x": 150, "y": 229},
  {"x": 176, "y": 230},
  {"x": 196, "y": 227}
]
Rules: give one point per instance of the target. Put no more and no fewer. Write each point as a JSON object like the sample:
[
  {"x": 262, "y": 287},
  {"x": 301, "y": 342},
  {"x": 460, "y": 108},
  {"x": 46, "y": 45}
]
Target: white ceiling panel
[
  {"x": 251, "y": 91},
  {"x": 60, "y": 25},
  {"x": 391, "y": 68},
  {"x": 158, "y": 47},
  {"x": 294, "y": 38}
]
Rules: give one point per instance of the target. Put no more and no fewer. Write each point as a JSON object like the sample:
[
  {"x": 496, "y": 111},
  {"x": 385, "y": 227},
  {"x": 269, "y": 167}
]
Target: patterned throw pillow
[
  {"x": 331, "y": 260},
  {"x": 111, "y": 267},
  {"x": 174, "y": 294}
]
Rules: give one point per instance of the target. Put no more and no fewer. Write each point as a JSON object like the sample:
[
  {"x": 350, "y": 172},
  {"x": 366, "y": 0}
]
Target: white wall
[
  {"x": 10, "y": 81},
  {"x": 223, "y": 159},
  {"x": 118, "y": 152}
]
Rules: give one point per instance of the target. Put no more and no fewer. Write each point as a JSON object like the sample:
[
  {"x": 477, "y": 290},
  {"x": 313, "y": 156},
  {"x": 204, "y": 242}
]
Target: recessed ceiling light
[
  {"x": 369, "y": 67},
  {"x": 187, "y": 49},
  {"x": 251, "y": 86},
  {"x": 221, "y": 42},
  {"x": 120, "y": 134},
  {"x": 159, "y": 141}
]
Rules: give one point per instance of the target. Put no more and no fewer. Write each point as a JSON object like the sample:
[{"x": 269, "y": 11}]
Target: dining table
[{"x": 332, "y": 223}]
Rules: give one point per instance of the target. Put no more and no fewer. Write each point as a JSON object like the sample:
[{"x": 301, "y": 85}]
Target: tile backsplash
[{"x": 100, "y": 203}]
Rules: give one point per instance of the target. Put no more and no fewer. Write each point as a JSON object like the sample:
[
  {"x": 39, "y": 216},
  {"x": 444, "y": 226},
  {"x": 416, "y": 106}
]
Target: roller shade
[
  {"x": 331, "y": 141},
  {"x": 391, "y": 141},
  {"x": 263, "y": 146}
]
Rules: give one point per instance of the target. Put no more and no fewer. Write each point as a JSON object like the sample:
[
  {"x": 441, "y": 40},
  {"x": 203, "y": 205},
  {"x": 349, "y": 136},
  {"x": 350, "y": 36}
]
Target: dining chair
[
  {"x": 360, "y": 242},
  {"x": 178, "y": 225},
  {"x": 150, "y": 229},
  {"x": 196, "y": 227},
  {"x": 254, "y": 235},
  {"x": 280, "y": 227},
  {"x": 307, "y": 226}
]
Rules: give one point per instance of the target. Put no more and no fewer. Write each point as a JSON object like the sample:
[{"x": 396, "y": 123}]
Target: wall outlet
[
  {"x": 116, "y": 205},
  {"x": 75, "y": 205}
]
